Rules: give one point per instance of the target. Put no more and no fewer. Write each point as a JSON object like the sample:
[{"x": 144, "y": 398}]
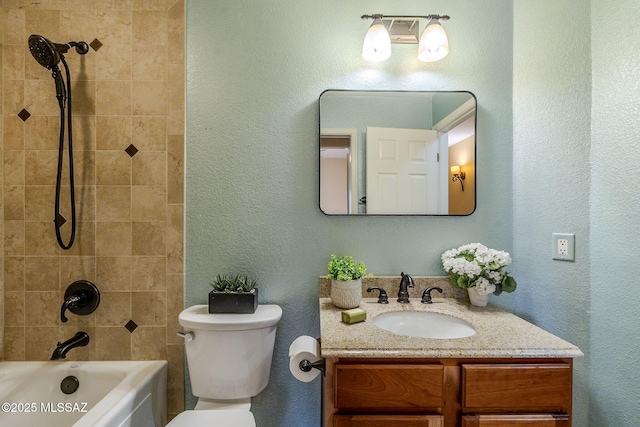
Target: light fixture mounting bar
[{"x": 381, "y": 16}]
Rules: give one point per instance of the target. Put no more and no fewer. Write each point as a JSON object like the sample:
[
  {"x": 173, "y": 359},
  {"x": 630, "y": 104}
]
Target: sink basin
[{"x": 424, "y": 325}]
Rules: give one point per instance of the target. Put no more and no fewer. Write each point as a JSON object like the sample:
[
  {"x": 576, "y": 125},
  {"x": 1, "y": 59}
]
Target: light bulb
[
  {"x": 377, "y": 43},
  {"x": 434, "y": 44}
]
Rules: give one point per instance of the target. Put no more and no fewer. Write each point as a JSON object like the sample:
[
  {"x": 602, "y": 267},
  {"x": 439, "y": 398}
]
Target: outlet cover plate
[{"x": 563, "y": 246}]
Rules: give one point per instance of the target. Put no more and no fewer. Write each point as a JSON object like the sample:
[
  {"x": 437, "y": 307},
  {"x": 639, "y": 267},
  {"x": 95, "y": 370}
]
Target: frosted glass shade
[
  {"x": 434, "y": 44},
  {"x": 377, "y": 43}
]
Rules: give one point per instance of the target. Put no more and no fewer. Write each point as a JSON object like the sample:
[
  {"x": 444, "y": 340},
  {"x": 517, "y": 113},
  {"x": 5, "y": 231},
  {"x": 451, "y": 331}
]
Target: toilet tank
[{"x": 230, "y": 354}]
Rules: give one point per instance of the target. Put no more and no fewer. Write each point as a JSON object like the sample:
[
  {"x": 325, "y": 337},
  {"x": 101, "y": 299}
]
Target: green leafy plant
[
  {"x": 238, "y": 283},
  {"x": 345, "y": 268}
]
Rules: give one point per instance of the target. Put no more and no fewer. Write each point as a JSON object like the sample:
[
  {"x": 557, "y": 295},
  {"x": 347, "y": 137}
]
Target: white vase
[
  {"x": 477, "y": 298},
  {"x": 346, "y": 294}
]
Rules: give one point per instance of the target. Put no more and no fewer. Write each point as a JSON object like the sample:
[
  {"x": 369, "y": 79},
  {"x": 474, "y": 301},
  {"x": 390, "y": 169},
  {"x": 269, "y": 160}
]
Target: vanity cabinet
[{"x": 447, "y": 392}]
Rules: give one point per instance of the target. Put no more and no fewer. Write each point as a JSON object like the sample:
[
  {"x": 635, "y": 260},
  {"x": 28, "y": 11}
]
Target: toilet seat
[{"x": 214, "y": 418}]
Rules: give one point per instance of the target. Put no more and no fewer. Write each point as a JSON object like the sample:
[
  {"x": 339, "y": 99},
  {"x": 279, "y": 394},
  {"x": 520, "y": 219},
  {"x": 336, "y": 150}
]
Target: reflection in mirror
[{"x": 397, "y": 153}]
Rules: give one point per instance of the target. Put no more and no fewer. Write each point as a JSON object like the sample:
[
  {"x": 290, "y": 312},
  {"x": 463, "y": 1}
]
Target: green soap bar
[{"x": 354, "y": 315}]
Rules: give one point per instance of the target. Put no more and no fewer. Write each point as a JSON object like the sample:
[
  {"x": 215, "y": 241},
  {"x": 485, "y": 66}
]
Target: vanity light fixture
[
  {"x": 433, "y": 44},
  {"x": 458, "y": 175}
]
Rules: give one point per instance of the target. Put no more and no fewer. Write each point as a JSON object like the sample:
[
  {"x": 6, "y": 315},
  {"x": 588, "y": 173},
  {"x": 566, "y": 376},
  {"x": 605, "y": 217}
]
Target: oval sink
[{"x": 424, "y": 325}]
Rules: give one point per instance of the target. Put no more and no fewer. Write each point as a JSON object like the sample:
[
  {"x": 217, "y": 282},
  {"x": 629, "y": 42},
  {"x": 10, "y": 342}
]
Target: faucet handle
[
  {"x": 383, "y": 298},
  {"x": 426, "y": 295}
]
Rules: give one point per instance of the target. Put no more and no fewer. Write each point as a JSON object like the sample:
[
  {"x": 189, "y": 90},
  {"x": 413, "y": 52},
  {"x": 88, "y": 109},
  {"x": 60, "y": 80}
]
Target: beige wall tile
[
  {"x": 175, "y": 378},
  {"x": 113, "y": 238},
  {"x": 13, "y": 343},
  {"x": 42, "y": 133},
  {"x": 13, "y": 132},
  {"x": 13, "y": 97},
  {"x": 175, "y": 239},
  {"x": 149, "y": 203},
  {"x": 150, "y": 133},
  {"x": 84, "y": 244},
  {"x": 149, "y": 98},
  {"x": 34, "y": 101},
  {"x": 13, "y": 62},
  {"x": 42, "y": 308},
  {"x": 39, "y": 238},
  {"x": 42, "y": 274},
  {"x": 13, "y": 167},
  {"x": 149, "y": 273},
  {"x": 14, "y": 202},
  {"x": 175, "y": 169},
  {"x": 43, "y": 22},
  {"x": 149, "y": 63},
  {"x": 14, "y": 29},
  {"x": 114, "y": 27},
  {"x": 149, "y": 238},
  {"x": 149, "y": 343},
  {"x": 114, "y": 309},
  {"x": 113, "y": 203},
  {"x": 113, "y": 168},
  {"x": 39, "y": 202},
  {"x": 149, "y": 27},
  {"x": 84, "y": 132},
  {"x": 113, "y": 132},
  {"x": 114, "y": 62},
  {"x": 111, "y": 343},
  {"x": 14, "y": 238},
  {"x": 14, "y": 308},
  {"x": 149, "y": 308},
  {"x": 113, "y": 273},
  {"x": 40, "y": 167},
  {"x": 149, "y": 168},
  {"x": 13, "y": 274},
  {"x": 175, "y": 305},
  {"x": 113, "y": 97},
  {"x": 73, "y": 268}
]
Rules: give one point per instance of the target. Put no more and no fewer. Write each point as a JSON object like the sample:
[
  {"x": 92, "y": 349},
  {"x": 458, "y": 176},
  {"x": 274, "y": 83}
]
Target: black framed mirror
[{"x": 397, "y": 152}]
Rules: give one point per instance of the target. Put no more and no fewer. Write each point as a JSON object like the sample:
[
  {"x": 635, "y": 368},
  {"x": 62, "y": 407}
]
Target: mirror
[{"x": 397, "y": 152}]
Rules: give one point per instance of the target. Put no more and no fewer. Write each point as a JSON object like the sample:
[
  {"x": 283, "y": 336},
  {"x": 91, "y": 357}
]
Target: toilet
[{"x": 229, "y": 359}]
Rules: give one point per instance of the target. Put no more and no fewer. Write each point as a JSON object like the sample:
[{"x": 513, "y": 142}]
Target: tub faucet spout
[{"x": 80, "y": 339}]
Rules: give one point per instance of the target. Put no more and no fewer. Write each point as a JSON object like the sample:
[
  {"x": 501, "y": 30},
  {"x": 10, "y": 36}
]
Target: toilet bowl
[{"x": 229, "y": 361}]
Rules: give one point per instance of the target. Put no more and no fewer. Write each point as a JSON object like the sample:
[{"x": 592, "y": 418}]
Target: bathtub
[{"x": 108, "y": 394}]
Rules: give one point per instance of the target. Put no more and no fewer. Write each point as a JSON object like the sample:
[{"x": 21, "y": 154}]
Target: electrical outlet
[{"x": 563, "y": 246}]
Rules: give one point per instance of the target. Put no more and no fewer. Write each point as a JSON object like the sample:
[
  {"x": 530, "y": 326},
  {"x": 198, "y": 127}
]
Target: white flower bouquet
[{"x": 475, "y": 265}]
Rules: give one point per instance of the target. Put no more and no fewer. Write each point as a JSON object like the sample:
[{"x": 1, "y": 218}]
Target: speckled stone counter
[{"x": 499, "y": 334}]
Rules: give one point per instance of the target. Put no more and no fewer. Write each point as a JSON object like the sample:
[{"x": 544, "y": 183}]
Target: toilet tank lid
[{"x": 198, "y": 317}]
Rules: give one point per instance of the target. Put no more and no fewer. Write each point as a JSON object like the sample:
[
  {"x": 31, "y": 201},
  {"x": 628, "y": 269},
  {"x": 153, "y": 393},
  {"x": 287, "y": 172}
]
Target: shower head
[{"x": 48, "y": 53}]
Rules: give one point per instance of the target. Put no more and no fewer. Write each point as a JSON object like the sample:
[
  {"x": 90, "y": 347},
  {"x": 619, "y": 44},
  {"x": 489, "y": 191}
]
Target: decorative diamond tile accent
[
  {"x": 131, "y": 326},
  {"x": 24, "y": 115},
  {"x": 60, "y": 220},
  {"x": 95, "y": 44},
  {"x": 131, "y": 150}
]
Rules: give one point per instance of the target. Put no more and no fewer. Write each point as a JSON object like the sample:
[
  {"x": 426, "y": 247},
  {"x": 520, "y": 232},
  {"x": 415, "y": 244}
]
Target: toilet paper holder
[{"x": 306, "y": 366}]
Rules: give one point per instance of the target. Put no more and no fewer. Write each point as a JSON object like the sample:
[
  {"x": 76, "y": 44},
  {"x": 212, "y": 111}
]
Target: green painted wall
[{"x": 255, "y": 71}]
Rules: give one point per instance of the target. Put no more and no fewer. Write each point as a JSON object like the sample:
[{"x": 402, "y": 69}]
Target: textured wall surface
[
  {"x": 615, "y": 203},
  {"x": 255, "y": 71},
  {"x": 128, "y": 92},
  {"x": 551, "y": 177}
]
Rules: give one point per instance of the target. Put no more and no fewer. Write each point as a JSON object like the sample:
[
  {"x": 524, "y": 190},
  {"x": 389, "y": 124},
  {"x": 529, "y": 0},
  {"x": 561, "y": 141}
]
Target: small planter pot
[
  {"x": 346, "y": 294},
  {"x": 233, "y": 302},
  {"x": 476, "y": 298}
]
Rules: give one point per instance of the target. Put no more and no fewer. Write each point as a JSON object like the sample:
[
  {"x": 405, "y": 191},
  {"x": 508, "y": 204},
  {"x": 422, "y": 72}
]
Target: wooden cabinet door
[
  {"x": 521, "y": 420},
  {"x": 388, "y": 421},
  {"x": 542, "y": 388},
  {"x": 371, "y": 388}
]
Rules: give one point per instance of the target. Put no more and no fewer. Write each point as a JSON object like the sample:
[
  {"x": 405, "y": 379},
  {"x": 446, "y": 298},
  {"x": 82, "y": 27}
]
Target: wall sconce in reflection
[
  {"x": 458, "y": 175},
  {"x": 433, "y": 44}
]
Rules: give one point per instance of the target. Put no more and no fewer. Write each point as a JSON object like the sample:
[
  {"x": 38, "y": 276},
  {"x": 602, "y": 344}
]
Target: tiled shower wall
[{"x": 128, "y": 128}]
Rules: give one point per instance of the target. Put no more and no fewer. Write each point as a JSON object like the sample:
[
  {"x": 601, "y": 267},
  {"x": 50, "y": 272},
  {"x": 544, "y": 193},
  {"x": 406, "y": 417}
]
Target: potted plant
[
  {"x": 480, "y": 270},
  {"x": 346, "y": 283},
  {"x": 233, "y": 294}
]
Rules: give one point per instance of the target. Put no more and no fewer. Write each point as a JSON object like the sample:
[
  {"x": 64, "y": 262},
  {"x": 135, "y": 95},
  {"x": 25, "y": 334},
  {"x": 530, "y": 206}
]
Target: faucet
[
  {"x": 403, "y": 294},
  {"x": 80, "y": 339}
]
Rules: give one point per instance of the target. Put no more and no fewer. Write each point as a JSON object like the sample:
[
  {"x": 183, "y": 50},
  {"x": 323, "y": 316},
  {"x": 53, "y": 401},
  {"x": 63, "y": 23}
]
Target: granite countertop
[{"x": 499, "y": 334}]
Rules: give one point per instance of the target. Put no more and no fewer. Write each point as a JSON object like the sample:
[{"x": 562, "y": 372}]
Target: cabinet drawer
[
  {"x": 388, "y": 421},
  {"x": 531, "y": 420},
  {"x": 383, "y": 388},
  {"x": 542, "y": 387}
]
